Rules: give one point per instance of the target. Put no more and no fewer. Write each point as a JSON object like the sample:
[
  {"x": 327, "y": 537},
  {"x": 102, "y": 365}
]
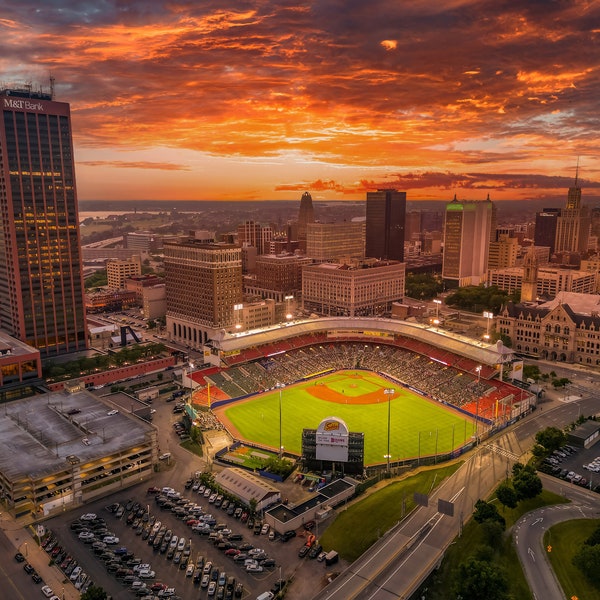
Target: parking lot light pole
[{"x": 389, "y": 392}]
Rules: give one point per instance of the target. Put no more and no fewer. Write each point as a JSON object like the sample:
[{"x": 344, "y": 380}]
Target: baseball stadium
[{"x": 416, "y": 393}]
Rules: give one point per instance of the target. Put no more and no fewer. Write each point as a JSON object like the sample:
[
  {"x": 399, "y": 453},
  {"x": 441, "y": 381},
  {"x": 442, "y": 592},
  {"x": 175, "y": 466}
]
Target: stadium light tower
[
  {"x": 237, "y": 314},
  {"x": 288, "y": 312},
  {"x": 488, "y": 316},
  {"x": 280, "y": 387},
  {"x": 389, "y": 392},
  {"x": 478, "y": 371},
  {"x": 437, "y": 307}
]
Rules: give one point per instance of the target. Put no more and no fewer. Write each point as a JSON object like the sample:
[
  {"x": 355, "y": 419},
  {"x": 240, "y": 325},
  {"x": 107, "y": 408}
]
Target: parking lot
[
  {"x": 577, "y": 466},
  {"x": 133, "y": 516}
]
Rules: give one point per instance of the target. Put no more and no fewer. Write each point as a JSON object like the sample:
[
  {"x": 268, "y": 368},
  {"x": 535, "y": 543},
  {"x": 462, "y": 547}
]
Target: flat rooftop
[
  {"x": 39, "y": 436},
  {"x": 14, "y": 346}
]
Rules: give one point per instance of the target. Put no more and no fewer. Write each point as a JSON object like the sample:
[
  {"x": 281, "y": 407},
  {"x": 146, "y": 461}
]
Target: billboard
[
  {"x": 517, "y": 370},
  {"x": 332, "y": 440}
]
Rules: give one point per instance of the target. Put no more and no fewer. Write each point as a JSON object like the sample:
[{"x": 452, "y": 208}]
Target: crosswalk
[{"x": 502, "y": 451}]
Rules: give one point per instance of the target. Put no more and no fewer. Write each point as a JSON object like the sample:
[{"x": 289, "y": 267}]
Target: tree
[
  {"x": 422, "y": 286},
  {"x": 492, "y": 532},
  {"x": 531, "y": 372},
  {"x": 479, "y": 579},
  {"x": 479, "y": 298},
  {"x": 594, "y": 539},
  {"x": 561, "y": 383},
  {"x": 485, "y": 511},
  {"x": 252, "y": 504},
  {"x": 506, "y": 495},
  {"x": 94, "y": 592},
  {"x": 526, "y": 482},
  {"x": 587, "y": 560},
  {"x": 551, "y": 438}
]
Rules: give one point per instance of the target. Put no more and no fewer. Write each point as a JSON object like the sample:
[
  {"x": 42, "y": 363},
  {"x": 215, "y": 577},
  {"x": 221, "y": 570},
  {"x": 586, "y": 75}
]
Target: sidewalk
[{"x": 22, "y": 538}]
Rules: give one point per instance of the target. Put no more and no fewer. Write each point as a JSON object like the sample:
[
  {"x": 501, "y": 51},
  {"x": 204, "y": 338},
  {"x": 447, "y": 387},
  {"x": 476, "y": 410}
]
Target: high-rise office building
[
  {"x": 467, "y": 235},
  {"x": 330, "y": 241},
  {"x": 306, "y": 215},
  {"x": 386, "y": 217},
  {"x": 251, "y": 233},
  {"x": 573, "y": 224},
  {"x": 204, "y": 286},
  {"x": 545, "y": 228},
  {"x": 41, "y": 283}
]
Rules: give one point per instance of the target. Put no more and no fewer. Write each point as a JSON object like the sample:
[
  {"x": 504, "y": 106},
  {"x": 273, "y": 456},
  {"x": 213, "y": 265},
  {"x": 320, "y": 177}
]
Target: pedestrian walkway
[{"x": 25, "y": 541}]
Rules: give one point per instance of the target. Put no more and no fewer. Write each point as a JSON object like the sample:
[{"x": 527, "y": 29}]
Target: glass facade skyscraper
[
  {"x": 386, "y": 218},
  {"x": 41, "y": 282}
]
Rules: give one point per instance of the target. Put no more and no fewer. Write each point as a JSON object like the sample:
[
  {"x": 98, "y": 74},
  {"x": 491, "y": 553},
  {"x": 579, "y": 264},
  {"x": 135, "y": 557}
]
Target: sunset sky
[{"x": 236, "y": 100}]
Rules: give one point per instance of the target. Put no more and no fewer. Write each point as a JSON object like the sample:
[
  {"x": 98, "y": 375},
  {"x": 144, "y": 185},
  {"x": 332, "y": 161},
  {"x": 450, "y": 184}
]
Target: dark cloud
[{"x": 427, "y": 86}]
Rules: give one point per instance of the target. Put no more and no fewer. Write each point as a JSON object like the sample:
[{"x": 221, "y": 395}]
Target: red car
[
  {"x": 157, "y": 587},
  {"x": 153, "y": 490},
  {"x": 232, "y": 552}
]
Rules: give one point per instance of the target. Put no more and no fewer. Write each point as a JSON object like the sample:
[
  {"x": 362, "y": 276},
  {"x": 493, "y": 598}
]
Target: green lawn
[
  {"x": 472, "y": 539},
  {"x": 565, "y": 540},
  {"x": 378, "y": 512},
  {"x": 418, "y": 426}
]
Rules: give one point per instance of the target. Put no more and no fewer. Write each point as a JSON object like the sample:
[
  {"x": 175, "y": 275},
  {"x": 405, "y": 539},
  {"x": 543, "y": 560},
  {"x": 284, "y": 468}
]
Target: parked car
[{"x": 288, "y": 535}]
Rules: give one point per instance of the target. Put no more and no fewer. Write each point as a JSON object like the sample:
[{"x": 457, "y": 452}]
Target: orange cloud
[{"x": 233, "y": 99}]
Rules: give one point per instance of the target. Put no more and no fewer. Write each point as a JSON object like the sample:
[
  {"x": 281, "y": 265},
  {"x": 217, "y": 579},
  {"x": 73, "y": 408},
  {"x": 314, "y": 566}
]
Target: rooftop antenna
[{"x": 51, "y": 86}]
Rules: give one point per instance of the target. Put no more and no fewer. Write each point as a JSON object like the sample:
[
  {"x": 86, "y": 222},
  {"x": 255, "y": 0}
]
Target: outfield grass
[
  {"x": 418, "y": 426},
  {"x": 566, "y": 539}
]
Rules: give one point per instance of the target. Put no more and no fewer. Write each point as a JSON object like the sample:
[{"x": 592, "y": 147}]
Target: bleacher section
[{"x": 436, "y": 373}]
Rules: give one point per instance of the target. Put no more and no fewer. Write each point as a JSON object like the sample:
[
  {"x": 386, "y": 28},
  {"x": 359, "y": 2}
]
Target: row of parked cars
[
  {"x": 67, "y": 563},
  {"x": 553, "y": 465},
  {"x": 224, "y": 539},
  {"x": 123, "y": 564}
]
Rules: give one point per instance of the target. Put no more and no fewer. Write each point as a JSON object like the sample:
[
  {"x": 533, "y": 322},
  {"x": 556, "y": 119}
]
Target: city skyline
[{"x": 266, "y": 100}]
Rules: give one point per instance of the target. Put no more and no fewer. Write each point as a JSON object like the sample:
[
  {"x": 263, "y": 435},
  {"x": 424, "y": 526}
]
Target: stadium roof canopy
[{"x": 487, "y": 354}]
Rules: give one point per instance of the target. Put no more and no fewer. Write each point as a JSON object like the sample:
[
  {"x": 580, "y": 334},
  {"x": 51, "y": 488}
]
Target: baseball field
[{"x": 418, "y": 426}]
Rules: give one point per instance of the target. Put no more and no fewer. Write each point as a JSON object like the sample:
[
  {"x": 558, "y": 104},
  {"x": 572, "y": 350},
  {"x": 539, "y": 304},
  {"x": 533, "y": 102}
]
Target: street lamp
[
  {"x": 478, "y": 371},
  {"x": 488, "y": 316},
  {"x": 280, "y": 387},
  {"x": 437, "y": 308},
  {"x": 389, "y": 392}
]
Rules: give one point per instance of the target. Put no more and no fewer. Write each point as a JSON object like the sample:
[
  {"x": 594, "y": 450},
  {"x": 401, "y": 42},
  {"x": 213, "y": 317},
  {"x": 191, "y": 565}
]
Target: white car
[
  {"x": 111, "y": 539},
  {"x": 47, "y": 591},
  {"x": 142, "y": 567},
  {"x": 147, "y": 574},
  {"x": 75, "y": 574},
  {"x": 174, "y": 541},
  {"x": 87, "y": 517},
  {"x": 212, "y": 588},
  {"x": 164, "y": 456},
  {"x": 265, "y": 529},
  {"x": 181, "y": 544},
  {"x": 190, "y": 570},
  {"x": 110, "y": 413},
  {"x": 254, "y": 569},
  {"x": 86, "y": 535}
]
